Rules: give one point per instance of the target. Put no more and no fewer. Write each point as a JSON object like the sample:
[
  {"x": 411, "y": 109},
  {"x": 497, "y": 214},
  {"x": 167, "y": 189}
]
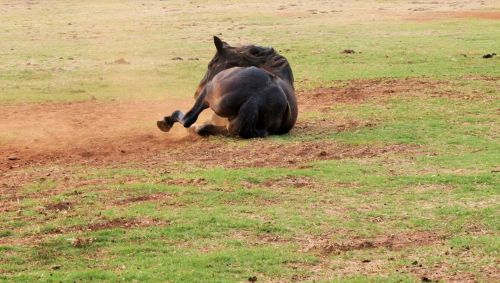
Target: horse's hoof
[{"x": 163, "y": 125}]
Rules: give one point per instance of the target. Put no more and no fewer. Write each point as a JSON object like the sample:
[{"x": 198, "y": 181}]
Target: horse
[{"x": 250, "y": 90}]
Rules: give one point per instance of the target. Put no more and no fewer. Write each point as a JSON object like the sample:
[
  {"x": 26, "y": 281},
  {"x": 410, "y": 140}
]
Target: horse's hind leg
[
  {"x": 216, "y": 126},
  {"x": 206, "y": 130},
  {"x": 245, "y": 123}
]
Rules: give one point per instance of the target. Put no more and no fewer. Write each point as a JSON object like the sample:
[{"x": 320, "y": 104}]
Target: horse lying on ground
[{"x": 249, "y": 88}]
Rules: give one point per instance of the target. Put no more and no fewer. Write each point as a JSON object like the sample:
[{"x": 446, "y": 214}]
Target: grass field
[{"x": 391, "y": 173}]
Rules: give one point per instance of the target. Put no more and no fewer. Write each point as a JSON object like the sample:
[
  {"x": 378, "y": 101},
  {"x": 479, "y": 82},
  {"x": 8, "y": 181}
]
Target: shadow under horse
[{"x": 249, "y": 88}]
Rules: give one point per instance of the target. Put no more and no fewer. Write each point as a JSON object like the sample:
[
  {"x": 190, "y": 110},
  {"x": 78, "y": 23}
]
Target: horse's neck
[
  {"x": 284, "y": 72},
  {"x": 280, "y": 67}
]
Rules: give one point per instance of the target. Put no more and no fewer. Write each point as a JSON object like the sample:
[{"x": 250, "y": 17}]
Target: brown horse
[{"x": 250, "y": 87}]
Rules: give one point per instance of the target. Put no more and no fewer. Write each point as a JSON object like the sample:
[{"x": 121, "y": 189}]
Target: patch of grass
[{"x": 77, "y": 48}]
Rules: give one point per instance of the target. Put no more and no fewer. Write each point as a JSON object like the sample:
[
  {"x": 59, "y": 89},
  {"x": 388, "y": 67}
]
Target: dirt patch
[
  {"x": 430, "y": 16},
  {"x": 392, "y": 242},
  {"x": 358, "y": 91},
  {"x": 123, "y": 223},
  {"x": 326, "y": 126},
  {"x": 440, "y": 271},
  {"x": 262, "y": 153},
  {"x": 59, "y": 206},
  {"x": 196, "y": 182},
  {"x": 83, "y": 132},
  {"x": 291, "y": 181},
  {"x": 150, "y": 197},
  {"x": 96, "y": 133}
]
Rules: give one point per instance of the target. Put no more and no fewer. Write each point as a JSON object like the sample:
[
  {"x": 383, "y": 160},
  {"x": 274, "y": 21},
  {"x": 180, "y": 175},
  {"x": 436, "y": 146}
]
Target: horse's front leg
[
  {"x": 184, "y": 119},
  {"x": 168, "y": 121}
]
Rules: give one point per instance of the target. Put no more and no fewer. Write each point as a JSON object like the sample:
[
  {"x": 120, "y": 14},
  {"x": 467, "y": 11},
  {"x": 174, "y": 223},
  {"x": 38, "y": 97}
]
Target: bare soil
[
  {"x": 488, "y": 15},
  {"x": 392, "y": 242},
  {"x": 97, "y": 133}
]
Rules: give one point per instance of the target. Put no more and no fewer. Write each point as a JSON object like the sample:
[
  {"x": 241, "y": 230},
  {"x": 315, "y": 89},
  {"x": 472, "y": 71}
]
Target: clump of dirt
[
  {"x": 149, "y": 197},
  {"x": 489, "y": 55},
  {"x": 81, "y": 242},
  {"x": 196, "y": 182},
  {"x": 124, "y": 223},
  {"x": 392, "y": 242},
  {"x": 348, "y": 51},
  {"x": 59, "y": 206},
  {"x": 120, "y": 61},
  {"x": 290, "y": 181}
]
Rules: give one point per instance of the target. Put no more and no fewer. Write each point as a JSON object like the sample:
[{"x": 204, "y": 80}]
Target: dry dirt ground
[{"x": 99, "y": 133}]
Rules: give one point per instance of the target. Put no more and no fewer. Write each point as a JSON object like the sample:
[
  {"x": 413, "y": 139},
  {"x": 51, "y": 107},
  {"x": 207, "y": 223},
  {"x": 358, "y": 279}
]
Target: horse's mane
[{"x": 266, "y": 58}]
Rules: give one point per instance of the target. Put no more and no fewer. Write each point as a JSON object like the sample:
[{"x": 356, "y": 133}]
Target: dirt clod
[
  {"x": 121, "y": 61},
  {"x": 59, "y": 206},
  {"x": 489, "y": 55},
  {"x": 81, "y": 242}
]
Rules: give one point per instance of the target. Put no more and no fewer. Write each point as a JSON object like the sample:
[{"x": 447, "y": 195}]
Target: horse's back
[
  {"x": 231, "y": 87},
  {"x": 274, "y": 97}
]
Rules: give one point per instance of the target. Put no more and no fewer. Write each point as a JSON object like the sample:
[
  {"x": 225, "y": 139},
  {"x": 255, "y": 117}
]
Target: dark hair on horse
[
  {"x": 266, "y": 58},
  {"x": 250, "y": 86}
]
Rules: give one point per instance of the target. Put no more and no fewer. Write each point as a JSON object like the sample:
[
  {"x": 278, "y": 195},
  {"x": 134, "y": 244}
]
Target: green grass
[
  {"x": 196, "y": 223},
  {"x": 75, "y": 47}
]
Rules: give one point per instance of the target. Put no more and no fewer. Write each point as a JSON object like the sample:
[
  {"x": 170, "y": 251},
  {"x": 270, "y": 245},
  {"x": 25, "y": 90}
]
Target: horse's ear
[{"x": 219, "y": 44}]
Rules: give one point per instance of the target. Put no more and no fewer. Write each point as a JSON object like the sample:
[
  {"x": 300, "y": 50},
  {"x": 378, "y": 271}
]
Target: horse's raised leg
[
  {"x": 185, "y": 119},
  {"x": 167, "y": 122}
]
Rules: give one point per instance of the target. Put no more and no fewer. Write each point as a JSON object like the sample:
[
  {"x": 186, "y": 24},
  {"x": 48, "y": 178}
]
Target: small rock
[
  {"x": 55, "y": 267},
  {"x": 13, "y": 157},
  {"x": 252, "y": 279},
  {"x": 348, "y": 51},
  {"x": 177, "y": 59},
  {"x": 486, "y": 56},
  {"x": 366, "y": 261},
  {"x": 121, "y": 61}
]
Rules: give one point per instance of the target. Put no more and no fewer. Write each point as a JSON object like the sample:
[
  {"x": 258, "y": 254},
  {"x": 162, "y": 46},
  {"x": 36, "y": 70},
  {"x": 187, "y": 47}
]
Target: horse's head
[{"x": 226, "y": 57}]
